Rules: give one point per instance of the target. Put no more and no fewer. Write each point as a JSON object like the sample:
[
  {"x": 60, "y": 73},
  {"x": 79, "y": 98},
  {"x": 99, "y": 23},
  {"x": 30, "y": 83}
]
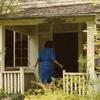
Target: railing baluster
[
  {"x": 18, "y": 82},
  {"x": 15, "y": 84},
  {"x": 5, "y": 82},
  {"x": 71, "y": 82},
  {"x": 75, "y": 83},
  {"x": 8, "y": 82},
  {"x": 67, "y": 84},
  {"x": 11, "y": 75},
  {"x": 83, "y": 82},
  {"x": 80, "y": 82}
]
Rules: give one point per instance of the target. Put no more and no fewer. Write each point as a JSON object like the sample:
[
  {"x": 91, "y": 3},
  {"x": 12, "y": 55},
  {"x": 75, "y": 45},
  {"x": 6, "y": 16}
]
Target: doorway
[{"x": 66, "y": 47}]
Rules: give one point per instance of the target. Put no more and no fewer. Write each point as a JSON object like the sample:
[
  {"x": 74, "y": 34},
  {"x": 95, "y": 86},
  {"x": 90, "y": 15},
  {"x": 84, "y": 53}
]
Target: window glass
[
  {"x": 21, "y": 47},
  {"x": 16, "y": 49}
]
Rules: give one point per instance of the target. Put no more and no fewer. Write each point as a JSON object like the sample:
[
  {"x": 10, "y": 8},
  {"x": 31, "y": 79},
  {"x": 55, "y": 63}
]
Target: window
[
  {"x": 21, "y": 50},
  {"x": 9, "y": 48},
  {"x": 16, "y": 49}
]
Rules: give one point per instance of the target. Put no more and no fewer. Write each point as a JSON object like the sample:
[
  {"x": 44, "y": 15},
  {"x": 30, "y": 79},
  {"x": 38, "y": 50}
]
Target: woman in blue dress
[{"x": 47, "y": 59}]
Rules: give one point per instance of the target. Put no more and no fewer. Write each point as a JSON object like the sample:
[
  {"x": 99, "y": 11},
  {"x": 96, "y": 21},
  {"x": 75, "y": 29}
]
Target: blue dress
[{"x": 46, "y": 58}]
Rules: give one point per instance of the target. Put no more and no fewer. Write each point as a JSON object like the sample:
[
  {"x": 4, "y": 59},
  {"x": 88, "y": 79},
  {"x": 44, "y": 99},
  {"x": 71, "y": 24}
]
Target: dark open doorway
[{"x": 66, "y": 47}]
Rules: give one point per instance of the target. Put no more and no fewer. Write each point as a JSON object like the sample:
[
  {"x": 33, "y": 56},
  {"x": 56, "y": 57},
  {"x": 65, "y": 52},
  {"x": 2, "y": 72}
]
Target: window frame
[{"x": 14, "y": 52}]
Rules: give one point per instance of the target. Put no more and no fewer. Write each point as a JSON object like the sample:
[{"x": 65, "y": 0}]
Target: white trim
[
  {"x": 14, "y": 34},
  {"x": 2, "y": 47},
  {"x": 28, "y": 69},
  {"x": 14, "y": 51},
  {"x": 28, "y": 50},
  {"x": 91, "y": 31}
]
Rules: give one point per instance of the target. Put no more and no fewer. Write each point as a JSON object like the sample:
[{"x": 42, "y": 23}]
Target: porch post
[
  {"x": 2, "y": 47},
  {"x": 91, "y": 31},
  {"x": 1, "y": 80},
  {"x": 22, "y": 82},
  {"x": 34, "y": 50},
  {"x": 80, "y": 49}
]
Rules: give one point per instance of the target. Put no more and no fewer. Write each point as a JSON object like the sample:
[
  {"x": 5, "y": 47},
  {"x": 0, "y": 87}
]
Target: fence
[
  {"x": 12, "y": 81},
  {"x": 75, "y": 83}
]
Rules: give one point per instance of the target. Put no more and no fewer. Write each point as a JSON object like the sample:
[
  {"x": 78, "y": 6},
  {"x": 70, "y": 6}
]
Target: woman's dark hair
[{"x": 49, "y": 44}]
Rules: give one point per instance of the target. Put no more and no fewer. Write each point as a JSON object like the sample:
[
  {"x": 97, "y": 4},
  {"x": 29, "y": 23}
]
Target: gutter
[{"x": 45, "y": 16}]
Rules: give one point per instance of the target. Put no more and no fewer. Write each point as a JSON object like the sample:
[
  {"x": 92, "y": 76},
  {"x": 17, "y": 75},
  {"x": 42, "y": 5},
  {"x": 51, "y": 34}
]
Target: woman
[{"x": 47, "y": 59}]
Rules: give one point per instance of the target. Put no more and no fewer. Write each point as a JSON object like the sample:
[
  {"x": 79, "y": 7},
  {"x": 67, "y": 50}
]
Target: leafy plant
[
  {"x": 6, "y": 6},
  {"x": 10, "y": 96},
  {"x": 82, "y": 63},
  {"x": 2, "y": 94}
]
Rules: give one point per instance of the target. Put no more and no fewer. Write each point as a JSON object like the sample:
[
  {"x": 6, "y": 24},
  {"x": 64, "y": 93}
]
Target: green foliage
[
  {"x": 16, "y": 96},
  {"x": 96, "y": 1},
  {"x": 60, "y": 95},
  {"x": 2, "y": 94},
  {"x": 6, "y": 6},
  {"x": 56, "y": 95},
  {"x": 82, "y": 60},
  {"x": 82, "y": 63},
  {"x": 11, "y": 96}
]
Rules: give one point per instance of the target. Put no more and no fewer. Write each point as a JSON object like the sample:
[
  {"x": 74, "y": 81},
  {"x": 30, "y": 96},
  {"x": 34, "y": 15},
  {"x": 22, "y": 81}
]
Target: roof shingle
[{"x": 57, "y": 11}]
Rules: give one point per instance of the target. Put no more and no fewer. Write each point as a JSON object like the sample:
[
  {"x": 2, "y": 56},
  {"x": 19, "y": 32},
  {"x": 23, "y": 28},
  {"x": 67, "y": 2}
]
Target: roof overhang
[{"x": 35, "y": 20}]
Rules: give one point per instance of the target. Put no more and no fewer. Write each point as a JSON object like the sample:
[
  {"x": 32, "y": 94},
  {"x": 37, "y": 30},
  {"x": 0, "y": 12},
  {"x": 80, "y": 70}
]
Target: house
[{"x": 69, "y": 24}]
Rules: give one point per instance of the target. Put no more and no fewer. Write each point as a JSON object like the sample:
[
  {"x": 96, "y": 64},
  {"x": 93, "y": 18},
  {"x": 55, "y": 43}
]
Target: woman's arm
[
  {"x": 60, "y": 65},
  {"x": 37, "y": 62}
]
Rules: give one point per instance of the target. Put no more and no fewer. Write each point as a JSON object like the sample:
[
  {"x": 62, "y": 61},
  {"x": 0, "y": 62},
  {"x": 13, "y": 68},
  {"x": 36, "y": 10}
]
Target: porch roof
[{"x": 55, "y": 11}]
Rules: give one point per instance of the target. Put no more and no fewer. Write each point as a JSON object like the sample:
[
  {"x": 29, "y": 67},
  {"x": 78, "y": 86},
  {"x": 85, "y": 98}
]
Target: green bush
[
  {"x": 60, "y": 95},
  {"x": 10, "y": 96},
  {"x": 57, "y": 93}
]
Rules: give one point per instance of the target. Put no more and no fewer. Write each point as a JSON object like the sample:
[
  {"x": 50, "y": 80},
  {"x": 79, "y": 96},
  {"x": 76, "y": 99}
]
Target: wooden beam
[
  {"x": 98, "y": 19},
  {"x": 21, "y": 29},
  {"x": 9, "y": 22},
  {"x": 36, "y": 21},
  {"x": 79, "y": 19}
]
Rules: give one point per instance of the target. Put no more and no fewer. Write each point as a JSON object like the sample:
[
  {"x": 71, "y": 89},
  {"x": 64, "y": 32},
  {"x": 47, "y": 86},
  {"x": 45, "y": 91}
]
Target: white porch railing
[
  {"x": 12, "y": 81},
  {"x": 75, "y": 83}
]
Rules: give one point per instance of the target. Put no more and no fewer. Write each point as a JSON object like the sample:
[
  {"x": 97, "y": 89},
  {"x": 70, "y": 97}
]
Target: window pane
[
  {"x": 18, "y": 44},
  {"x": 21, "y": 50},
  {"x": 24, "y": 37},
  {"x": 24, "y": 44},
  {"x": 9, "y": 48},
  {"x": 18, "y": 53},
  {"x": 25, "y": 53},
  {"x": 18, "y": 61},
  {"x": 18, "y": 36},
  {"x": 24, "y": 62}
]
